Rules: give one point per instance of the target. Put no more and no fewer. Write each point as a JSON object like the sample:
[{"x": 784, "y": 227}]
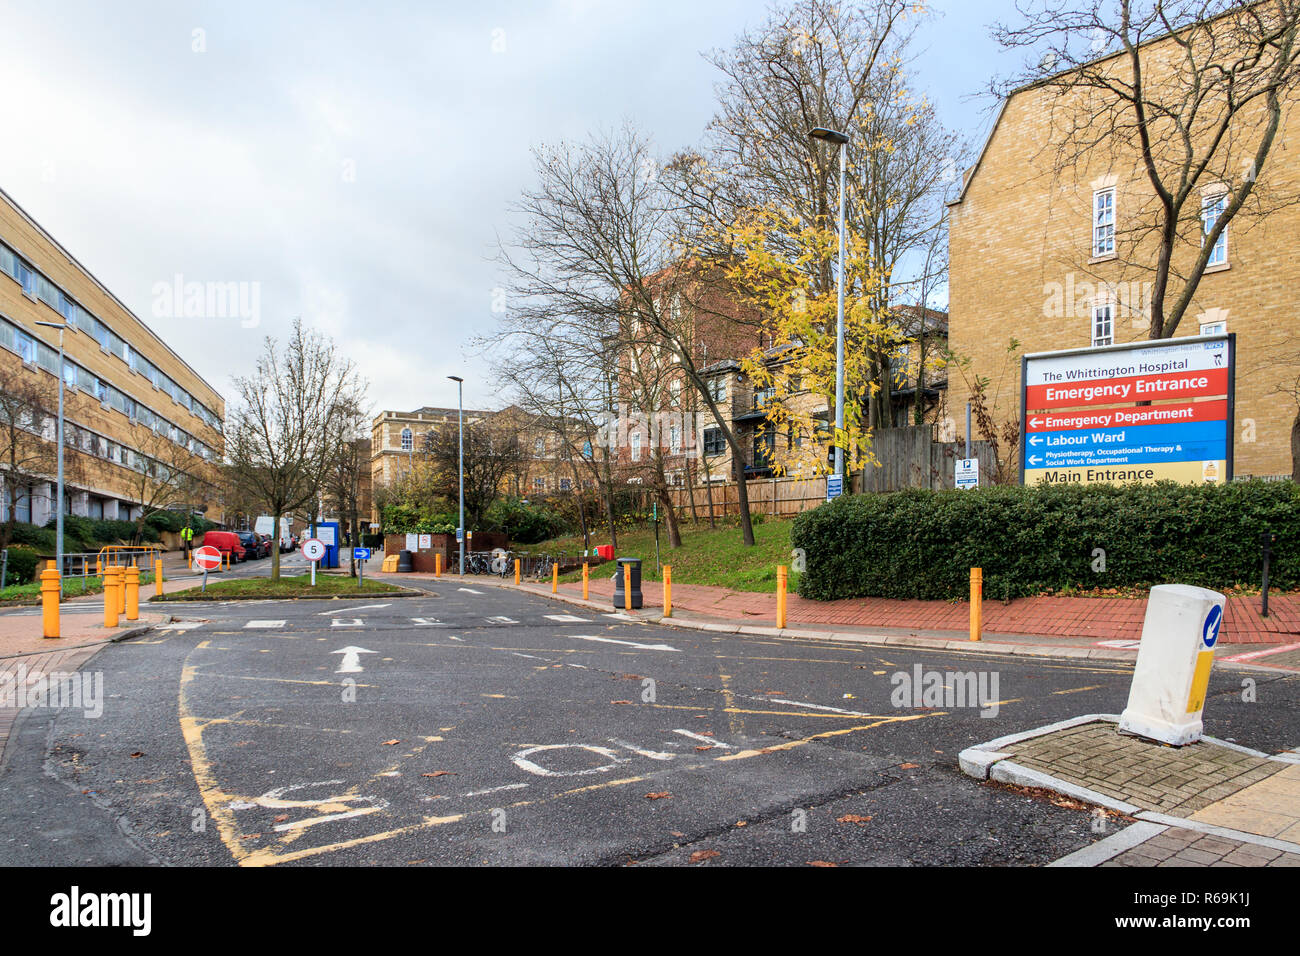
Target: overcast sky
[{"x": 353, "y": 163}]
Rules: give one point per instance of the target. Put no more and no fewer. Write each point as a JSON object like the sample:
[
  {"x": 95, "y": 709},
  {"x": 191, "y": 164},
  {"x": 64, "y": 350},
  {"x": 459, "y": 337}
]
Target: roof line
[{"x": 108, "y": 292}]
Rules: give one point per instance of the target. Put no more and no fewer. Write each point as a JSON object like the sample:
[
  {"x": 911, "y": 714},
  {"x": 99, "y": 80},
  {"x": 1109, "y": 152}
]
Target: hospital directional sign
[{"x": 1147, "y": 411}]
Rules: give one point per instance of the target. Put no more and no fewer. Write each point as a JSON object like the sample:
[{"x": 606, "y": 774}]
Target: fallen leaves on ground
[
  {"x": 138, "y": 753},
  {"x": 439, "y": 773},
  {"x": 702, "y": 748},
  {"x": 699, "y": 856},
  {"x": 852, "y": 818},
  {"x": 821, "y": 863},
  {"x": 660, "y": 795},
  {"x": 281, "y": 818},
  {"x": 390, "y": 743},
  {"x": 908, "y": 766},
  {"x": 620, "y": 702}
]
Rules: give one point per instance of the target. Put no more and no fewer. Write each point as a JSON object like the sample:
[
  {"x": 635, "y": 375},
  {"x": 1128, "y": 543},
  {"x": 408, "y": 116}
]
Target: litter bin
[
  {"x": 404, "y": 561},
  {"x": 619, "y": 599}
]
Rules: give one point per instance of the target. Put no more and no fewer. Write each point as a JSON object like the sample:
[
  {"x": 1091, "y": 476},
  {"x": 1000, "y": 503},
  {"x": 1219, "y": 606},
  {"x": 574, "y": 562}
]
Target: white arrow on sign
[
  {"x": 1035, "y": 422},
  {"x": 1035, "y": 440},
  {"x": 1034, "y": 459},
  {"x": 351, "y": 663}
]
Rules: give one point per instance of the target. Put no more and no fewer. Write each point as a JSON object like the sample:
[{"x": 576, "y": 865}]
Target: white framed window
[
  {"x": 1103, "y": 222},
  {"x": 675, "y": 439},
  {"x": 539, "y": 484},
  {"x": 1212, "y": 207},
  {"x": 1103, "y": 323},
  {"x": 539, "y": 448},
  {"x": 408, "y": 439},
  {"x": 635, "y": 439}
]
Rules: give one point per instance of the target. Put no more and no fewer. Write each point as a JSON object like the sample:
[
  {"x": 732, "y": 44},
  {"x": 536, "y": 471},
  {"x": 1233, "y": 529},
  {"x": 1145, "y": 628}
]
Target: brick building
[
  {"x": 133, "y": 407},
  {"x": 1060, "y": 257}
]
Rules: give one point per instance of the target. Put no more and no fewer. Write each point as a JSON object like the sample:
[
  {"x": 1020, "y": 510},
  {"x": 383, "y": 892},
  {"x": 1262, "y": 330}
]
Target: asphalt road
[{"x": 483, "y": 726}]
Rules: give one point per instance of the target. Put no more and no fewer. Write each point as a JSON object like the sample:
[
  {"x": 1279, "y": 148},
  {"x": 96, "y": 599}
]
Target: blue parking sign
[{"x": 361, "y": 554}]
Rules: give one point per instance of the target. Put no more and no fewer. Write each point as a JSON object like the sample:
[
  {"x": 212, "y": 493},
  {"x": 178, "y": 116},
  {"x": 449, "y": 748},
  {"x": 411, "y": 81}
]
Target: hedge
[
  {"x": 922, "y": 544},
  {"x": 21, "y": 566}
]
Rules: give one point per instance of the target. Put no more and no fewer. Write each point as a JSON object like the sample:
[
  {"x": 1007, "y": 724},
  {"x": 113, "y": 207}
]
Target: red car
[{"x": 227, "y": 542}]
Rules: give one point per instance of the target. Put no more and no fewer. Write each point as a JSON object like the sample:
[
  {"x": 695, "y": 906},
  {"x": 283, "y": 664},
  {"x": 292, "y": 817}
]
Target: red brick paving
[{"x": 1097, "y": 618}]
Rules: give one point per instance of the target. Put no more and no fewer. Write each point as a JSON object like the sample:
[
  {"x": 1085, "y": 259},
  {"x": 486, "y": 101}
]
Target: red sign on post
[{"x": 207, "y": 558}]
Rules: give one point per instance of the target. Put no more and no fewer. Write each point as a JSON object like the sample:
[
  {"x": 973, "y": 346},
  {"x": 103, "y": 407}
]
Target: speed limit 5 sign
[{"x": 313, "y": 549}]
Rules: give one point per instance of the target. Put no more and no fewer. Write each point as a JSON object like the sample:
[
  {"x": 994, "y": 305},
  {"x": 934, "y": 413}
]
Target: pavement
[
  {"x": 1092, "y": 619},
  {"x": 1213, "y": 803}
]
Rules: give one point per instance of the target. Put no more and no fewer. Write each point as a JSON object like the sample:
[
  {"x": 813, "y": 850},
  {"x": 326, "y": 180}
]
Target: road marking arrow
[
  {"x": 351, "y": 663},
  {"x": 349, "y": 610},
  {"x": 469, "y": 591},
  {"x": 610, "y": 640}
]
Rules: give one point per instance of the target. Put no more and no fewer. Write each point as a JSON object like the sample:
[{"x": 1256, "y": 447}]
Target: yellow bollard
[
  {"x": 555, "y": 578},
  {"x": 99, "y": 565},
  {"x": 627, "y": 587},
  {"x": 668, "y": 590},
  {"x": 157, "y": 577},
  {"x": 133, "y": 593},
  {"x": 437, "y": 565},
  {"x": 586, "y": 571},
  {"x": 780, "y": 595},
  {"x": 121, "y": 589},
  {"x": 976, "y": 603},
  {"x": 50, "y": 602},
  {"x": 516, "y": 570},
  {"x": 110, "y": 597}
]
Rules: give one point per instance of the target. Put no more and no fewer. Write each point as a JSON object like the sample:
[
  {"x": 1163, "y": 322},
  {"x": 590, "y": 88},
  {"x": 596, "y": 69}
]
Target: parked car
[
  {"x": 254, "y": 546},
  {"x": 267, "y": 543},
  {"x": 227, "y": 542}
]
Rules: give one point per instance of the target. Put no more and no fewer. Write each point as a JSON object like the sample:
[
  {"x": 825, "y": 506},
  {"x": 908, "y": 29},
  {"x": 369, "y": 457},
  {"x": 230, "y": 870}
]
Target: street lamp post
[
  {"x": 460, "y": 419},
  {"x": 58, "y": 509},
  {"x": 831, "y": 136}
]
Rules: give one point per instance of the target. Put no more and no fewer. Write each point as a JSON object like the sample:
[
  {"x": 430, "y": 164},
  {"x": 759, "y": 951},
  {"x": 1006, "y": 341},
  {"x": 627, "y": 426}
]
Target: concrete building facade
[{"x": 133, "y": 407}]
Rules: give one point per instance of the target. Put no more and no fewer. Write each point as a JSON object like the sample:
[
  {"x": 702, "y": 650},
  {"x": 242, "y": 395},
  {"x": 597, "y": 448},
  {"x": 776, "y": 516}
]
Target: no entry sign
[
  {"x": 206, "y": 558},
  {"x": 1146, "y": 411}
]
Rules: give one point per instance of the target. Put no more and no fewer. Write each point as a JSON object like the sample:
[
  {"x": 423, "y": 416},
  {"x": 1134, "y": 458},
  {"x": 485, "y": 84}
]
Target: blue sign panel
[
  {"x": 361, "y": 554},
  {"x": 834, "y": 486},
  {"x": 1140, "y": 445}
]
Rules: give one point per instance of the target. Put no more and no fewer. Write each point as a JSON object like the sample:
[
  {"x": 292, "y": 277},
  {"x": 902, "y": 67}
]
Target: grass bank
[
  {"x": 707, "y": 556},
  {"x": 297, "y": 586}
]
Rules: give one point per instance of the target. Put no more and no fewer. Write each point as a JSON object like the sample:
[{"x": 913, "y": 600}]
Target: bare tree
[
  {"x": 165, "y": 473},
  {"x": 492, "y": 451},
  {"x": 346, "y": 472},
  {"x": 600, "y": 240},
  {"x": 1193, "y": 92},
  {"x": 27, "y": 438},
  {"x": 284, "y": 431}
]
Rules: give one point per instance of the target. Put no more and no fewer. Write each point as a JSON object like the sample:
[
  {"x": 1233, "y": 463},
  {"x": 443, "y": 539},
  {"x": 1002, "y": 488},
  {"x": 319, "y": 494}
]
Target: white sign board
[
  {"x": 426, "y": 542},
  {"x": 313, "y": 549},
  {"x": 412, "y": 542},
  {"x": 968, "y": 473},
  {"x": 326, "y": 534}
]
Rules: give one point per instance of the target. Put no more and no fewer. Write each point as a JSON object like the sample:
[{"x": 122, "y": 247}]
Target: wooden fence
[{"x": 908, "y": 457}]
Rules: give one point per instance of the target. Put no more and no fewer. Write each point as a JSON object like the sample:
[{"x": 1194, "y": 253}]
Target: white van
[{"x": 265, "y": 524}]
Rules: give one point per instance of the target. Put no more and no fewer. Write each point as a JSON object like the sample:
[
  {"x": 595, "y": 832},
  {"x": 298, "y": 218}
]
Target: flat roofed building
[{"x": 130, "y": 400}]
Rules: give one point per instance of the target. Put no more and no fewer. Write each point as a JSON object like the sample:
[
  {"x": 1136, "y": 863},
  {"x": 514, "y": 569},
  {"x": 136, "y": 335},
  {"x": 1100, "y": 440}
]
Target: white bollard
[{"x": 1172, "y": 674}]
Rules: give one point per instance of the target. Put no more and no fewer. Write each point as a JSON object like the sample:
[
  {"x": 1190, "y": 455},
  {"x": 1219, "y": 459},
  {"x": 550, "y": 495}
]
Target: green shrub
[
  {"x": 922, "y": 544},
  {"x": 42, "y": 539},
  {"x": 21, "y": 568},
  {"x": 523, "y": 523}
]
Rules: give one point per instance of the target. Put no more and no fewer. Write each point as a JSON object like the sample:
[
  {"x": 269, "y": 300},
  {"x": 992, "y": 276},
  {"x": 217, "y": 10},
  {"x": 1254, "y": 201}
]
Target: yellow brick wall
[
  {"x": 1019, "y": 229},
  {"x": 99, "y": 476}
]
